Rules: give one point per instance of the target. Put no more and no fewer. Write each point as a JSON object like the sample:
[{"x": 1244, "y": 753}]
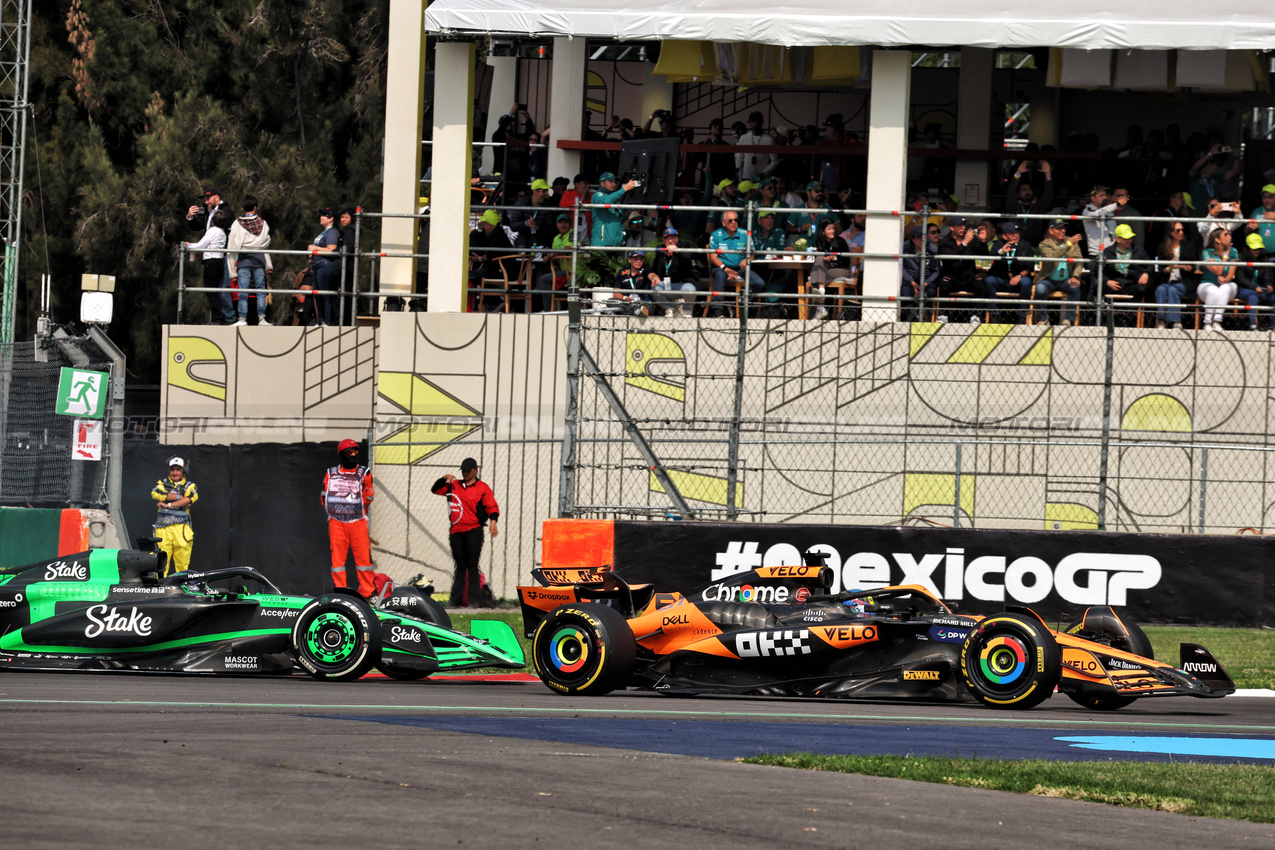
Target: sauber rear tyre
[
  {"x": 1102, "y": 623},
  {"x": 337, "y": 638},
  {"x": 585, "y": 649},
  {"x": 1010, "y": 660}
]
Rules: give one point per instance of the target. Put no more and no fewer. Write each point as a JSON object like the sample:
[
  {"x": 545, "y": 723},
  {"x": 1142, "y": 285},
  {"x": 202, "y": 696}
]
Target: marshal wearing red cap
[
  {"x": 347, "y": 492},
  {"x": 471, "y": 504}
]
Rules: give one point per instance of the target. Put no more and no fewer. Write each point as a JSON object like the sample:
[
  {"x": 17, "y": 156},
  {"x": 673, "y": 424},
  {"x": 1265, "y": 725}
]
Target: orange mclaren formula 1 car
[{"x": 776, "y": 631}]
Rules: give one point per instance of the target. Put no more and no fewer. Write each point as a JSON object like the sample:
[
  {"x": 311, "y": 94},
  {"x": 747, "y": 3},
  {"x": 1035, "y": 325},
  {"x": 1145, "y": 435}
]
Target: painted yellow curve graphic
[
  {"x": 189, "y": 354},
  {"x": 644, "y": 349},
  {"x": 701, "y": 488},
  {"x": 418, "y": 397},
  {"x": 1066, "y": 516},
  {"x": 933, "y": 488},
  {"x": 1156, "y": 412}
]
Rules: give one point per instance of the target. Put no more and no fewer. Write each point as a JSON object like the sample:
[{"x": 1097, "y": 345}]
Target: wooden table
[{"x": 803, "y": 266}]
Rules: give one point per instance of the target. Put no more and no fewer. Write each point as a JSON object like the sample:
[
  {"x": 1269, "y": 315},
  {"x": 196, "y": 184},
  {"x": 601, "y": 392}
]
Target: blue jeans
[
  {"x": 1253, "y": 298},
  {"x": 1170, "y": 293},
  {"x": 755, "y": 283},
  {"x": 1049, "y": 285},
  {"x": 994, "y": 285},
  {"x": 251, "y": 278},
  {"x": 325, "y": 280}
]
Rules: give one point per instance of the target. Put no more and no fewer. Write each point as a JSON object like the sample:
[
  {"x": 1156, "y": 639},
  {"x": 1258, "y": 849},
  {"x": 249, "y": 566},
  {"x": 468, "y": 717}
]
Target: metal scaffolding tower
[{"x": 15, "y": 60}]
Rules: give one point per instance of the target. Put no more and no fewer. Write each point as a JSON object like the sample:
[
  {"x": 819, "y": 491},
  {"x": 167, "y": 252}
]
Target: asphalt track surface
[{"x": 110, "y": 760}]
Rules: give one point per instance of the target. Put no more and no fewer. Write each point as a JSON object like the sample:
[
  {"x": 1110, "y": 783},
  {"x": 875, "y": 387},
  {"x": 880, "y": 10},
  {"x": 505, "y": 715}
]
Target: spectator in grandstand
[
  {"x": 579, "y": 191},
  {"x": 1056, "y": 274},
  {"x": 1012, "y": 266},
  {"x": 672, "y": 276},
  {"x": 956, "y": 274},
  {"x": 250, "y": 231},
  {"x": 1215, "y": 172},
  {"x": 1020, "y": 198},
  {"x": 216, "y": 272},
  {"x": 1263, "y": 218},
  {"x": 636, "y": 232},
  {"x": 1098, "y": 224},
  {"x": 753, "y": 166},
  {"x": 1219, "y": 214},
  {"x": 1123, "y": 208},
  {"x": 1177, "y": 208},
  {"x": 1217, "y": 282},
  {"x": 608, "y": 224},
  {"x": 691, "y": 225},
  {"x": 1126, "y": 270},
  {"x": 855, "y": 235},
  {"x": 910, "y": 286},
  {"x": 323, "y": 262},
  {"x": 1178, "y": 279},
  {"x": 631, "y": 284},
  {"x": 769, "y": 242},
  {"x": 768, "y": 198},
  {"x": 729, "y": 191},
  {"x": 729, "y": 260},
  {"x": 213, "y": 260},
  {"x": 1256, "y": 283},
  {"x": 174, "y": 495},
  {"x": 721, "y": 165},
  {"x": 806, "y": 221},
  {"x": 491, "y": 236},
  {"x": 829, "y": 264},
  {"x": 559, "y": 264},
  {"x": 535, "y": 228}
]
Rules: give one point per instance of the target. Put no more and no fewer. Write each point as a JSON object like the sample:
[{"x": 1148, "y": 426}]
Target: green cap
[
  {"x": 1254, "y": 240},
  {"x": 1124, "y": 231},
  {"x": 1186, "y": 199},
  {"x": 725, "y": 183},
  {"x": 563, "y": 217},
  {"x": 606, "y": 175},
  {"x": 491, "y": 217},
  {"x": 540, "y": 184},
  {"x": 747, "y": 185}
]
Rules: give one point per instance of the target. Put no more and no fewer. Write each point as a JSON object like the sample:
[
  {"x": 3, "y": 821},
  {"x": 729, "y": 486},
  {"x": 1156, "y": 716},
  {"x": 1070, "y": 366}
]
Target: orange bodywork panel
[
  {"x": 1081, "y": 665},
  {"x": 664, "y": 630},
  {"x": 567, "y": 543}
]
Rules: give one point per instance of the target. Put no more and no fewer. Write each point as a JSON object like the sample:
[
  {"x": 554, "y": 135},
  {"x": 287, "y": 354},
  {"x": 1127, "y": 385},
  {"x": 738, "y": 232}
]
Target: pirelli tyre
[
  {"x": 584, "y": 649},
  {"x": 1103, "y": 625},
  {"x": 337, "y": 638},
  {"x": 1010, "y": 660}
]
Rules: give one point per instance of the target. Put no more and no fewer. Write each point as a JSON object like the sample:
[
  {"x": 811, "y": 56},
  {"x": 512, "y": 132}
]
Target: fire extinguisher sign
[{"x": 88, "y": 440}]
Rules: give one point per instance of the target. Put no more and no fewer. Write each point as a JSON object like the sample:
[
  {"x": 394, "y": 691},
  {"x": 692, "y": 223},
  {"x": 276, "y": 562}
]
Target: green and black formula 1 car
[{"x": 108, "y": 609}]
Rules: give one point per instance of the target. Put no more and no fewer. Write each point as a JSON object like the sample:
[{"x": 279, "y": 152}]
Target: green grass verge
[
  {"x": 1247, "y": 654},
  {"x": 513, "y": 617},
  {"x": 1236, "y": 792}
]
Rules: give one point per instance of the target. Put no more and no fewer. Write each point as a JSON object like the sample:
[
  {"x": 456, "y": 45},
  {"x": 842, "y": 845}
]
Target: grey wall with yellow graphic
[
  {"x": 859, "y": 423},
  {"x": 842, "y": 422}
]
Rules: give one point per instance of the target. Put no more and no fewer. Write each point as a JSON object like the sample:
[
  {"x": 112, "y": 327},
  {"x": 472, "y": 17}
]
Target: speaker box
[{"x": 653, "y": 162}]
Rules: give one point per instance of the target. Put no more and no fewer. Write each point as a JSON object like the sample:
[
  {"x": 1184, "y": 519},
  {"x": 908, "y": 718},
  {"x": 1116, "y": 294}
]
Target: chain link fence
[
  {"x": 999, "y": 426},
  {"x": 36, "y": 443}
]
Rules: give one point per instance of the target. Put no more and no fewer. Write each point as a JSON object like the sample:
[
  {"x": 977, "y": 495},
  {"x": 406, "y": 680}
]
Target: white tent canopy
[{"x": 1086, "y": 24}]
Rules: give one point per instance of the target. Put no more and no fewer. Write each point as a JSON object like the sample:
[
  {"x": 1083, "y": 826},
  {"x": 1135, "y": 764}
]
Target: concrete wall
[{"x": 861, "y": 421}]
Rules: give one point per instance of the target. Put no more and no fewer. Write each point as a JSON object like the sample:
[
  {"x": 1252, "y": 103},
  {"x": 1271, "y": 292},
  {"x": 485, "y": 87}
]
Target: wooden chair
[
  {"x": 1031, "y": 311},
  {"x": 515, "y": 289},
  {"x": 841, "y": 285}
]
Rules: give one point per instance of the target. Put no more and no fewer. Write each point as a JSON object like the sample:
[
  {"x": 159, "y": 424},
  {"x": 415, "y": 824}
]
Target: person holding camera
[
  {"x": 215, "y": 271},
  {"x": 666, "y": 130},
  {"x": 1214, "y": 173},
  {"x": 1020, "y": 197},
  {"x": 608, "y": 224}
]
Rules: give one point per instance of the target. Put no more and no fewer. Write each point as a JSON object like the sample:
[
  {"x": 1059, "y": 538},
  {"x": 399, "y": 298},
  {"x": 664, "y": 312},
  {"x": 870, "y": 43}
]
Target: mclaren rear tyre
[
  {"x": 337, "y": 638},
  {"x": 1011, "y": 660},
  {"x": 585, "y": 649},
  {"x": 1121, "y": 631}
]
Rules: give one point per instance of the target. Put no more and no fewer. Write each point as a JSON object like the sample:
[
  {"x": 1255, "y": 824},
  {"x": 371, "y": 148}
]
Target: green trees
[{"x": 140, "y": 104}]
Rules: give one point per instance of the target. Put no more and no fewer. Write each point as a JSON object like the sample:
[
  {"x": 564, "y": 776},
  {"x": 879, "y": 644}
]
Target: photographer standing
[{"x": 608, "y": 224}]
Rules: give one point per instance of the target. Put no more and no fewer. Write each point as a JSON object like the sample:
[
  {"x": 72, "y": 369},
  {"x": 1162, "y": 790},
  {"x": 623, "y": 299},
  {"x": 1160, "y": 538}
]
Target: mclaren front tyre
[{"x": 1010, "y": 660}]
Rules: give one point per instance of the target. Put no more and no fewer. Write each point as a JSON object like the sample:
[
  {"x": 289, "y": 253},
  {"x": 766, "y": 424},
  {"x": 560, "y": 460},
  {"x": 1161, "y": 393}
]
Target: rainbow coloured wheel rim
[{"x": 1003, "y": 659}]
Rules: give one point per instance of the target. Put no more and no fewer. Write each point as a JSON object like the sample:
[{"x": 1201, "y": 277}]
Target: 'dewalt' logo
[{"x": 920, "y": 675}]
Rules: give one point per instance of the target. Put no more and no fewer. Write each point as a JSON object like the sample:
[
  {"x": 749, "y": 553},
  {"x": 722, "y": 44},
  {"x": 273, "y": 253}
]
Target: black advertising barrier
[
  {"x": 1155, "y": 577},
  {"x": 258, "y": 507}
]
